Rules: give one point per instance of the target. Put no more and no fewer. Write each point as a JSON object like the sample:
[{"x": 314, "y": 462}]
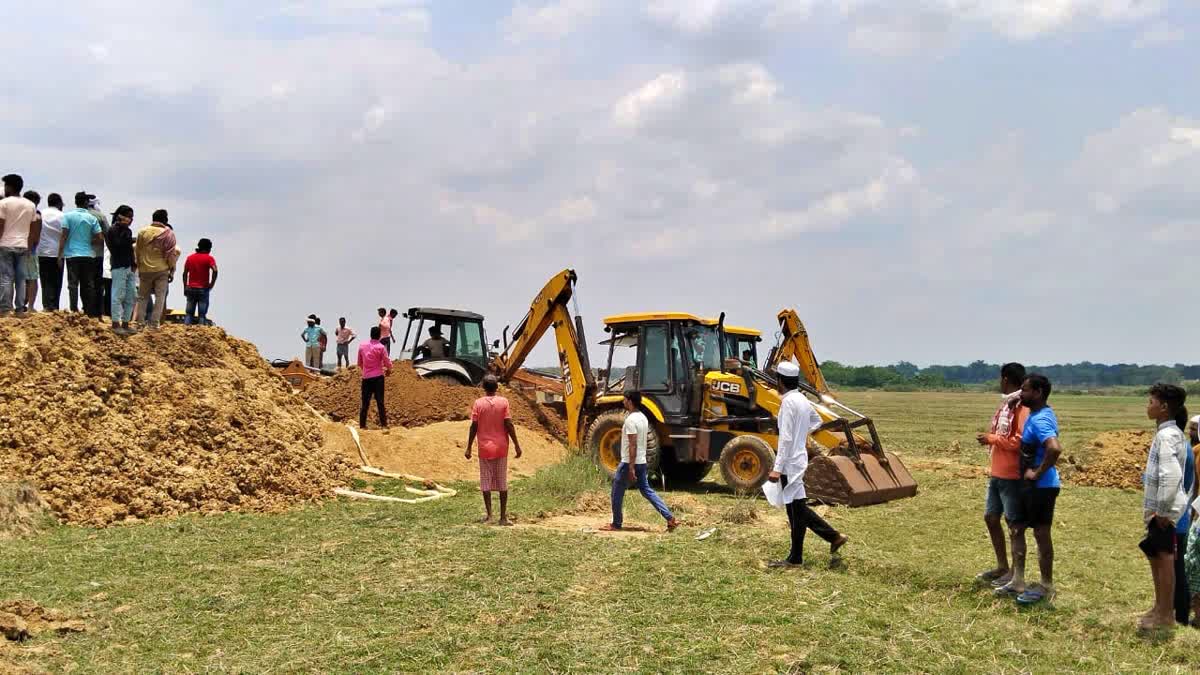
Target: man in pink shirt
[
  {"x": 491, "y": 423},
  {"x": 375, "y": 364}
]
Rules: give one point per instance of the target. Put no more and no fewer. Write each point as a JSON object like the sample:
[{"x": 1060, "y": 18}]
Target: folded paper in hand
[{"x": 774, "y": 493}]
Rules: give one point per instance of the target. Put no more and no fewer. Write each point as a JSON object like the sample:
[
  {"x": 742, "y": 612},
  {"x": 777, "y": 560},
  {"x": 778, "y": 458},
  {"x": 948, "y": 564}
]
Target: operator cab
[
  {"x": 670, "y": 352},
  {"x": 464, "y": 343},
  {"x": 741, "y": 343}
]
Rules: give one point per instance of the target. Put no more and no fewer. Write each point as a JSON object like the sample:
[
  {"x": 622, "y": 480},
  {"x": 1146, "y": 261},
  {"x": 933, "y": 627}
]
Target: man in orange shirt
[
  {"x": 1004, "y": 485},
  {"x": 491, "y": 423}
]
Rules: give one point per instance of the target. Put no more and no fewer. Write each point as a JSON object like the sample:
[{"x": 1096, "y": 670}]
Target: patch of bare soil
[
  {"x": 1114, "y": 459},
  {"x": 436, "y": 451},
  {"x": 24, "y": 619},
  {"x": 185, "y": 419},
  {"x": 413, "y": 401},
  {"x": 22, "y": 510}
]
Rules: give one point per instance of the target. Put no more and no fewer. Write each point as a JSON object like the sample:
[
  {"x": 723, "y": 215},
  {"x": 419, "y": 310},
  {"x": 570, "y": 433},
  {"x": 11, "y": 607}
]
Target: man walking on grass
[
  {"x": 632, "y": 469},
  {"x": 491, "y": 423},
  {"x": 1004, "y": 484},
  {"x": 374, "y": 364},
  {"x": 1039, "y": 493},
  {"x": 797, "y": 419}
]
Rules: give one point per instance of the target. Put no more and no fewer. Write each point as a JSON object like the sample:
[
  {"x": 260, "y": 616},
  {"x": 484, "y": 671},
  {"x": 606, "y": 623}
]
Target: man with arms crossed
[{"x": 1004, "y": 484}]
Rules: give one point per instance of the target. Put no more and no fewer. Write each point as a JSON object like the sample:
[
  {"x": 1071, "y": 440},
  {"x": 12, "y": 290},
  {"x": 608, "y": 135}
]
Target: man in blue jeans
[
  {"x": 199, "y": 277},
  {"x": 633, "y": 465}
]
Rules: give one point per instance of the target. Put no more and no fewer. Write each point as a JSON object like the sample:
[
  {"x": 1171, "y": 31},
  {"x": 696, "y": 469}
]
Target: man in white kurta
[{"x": 797, "y": 419}]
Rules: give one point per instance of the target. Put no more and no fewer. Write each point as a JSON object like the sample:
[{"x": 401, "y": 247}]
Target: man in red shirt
[
  {"x": 491, "y": 423},
  {"x": 199, "y": 277}
]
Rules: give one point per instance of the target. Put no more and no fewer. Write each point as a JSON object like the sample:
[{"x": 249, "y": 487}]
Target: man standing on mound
[
  {"x": 797, "y": 419},
  {"x": 632, "y": 468},
  {"x": 491, "y": 423}
]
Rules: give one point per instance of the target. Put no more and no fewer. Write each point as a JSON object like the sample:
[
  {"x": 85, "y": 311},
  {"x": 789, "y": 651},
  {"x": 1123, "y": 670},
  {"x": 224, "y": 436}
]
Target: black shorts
[
  {"x": 1158, "y": 540},
  {"x": 1037, "y": 504}
]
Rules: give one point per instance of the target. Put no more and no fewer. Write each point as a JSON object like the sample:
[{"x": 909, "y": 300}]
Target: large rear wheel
[
  {"x": 445, "y": 378},
  {"x": 603, "y": 442},
  {"x": 745, "y": 463}
]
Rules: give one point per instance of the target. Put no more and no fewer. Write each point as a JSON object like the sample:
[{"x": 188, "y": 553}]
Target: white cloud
[
  {"x": 555, "y": 20},
  {"x": 887, "y": 26},
  {"x": 658, "y": 95}
]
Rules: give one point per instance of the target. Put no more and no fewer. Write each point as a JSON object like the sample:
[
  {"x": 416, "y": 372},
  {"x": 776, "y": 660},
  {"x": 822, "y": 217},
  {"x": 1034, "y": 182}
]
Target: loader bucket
[
  {"x": 858, "y": 473},
  {"x": 835, "y": 479}
]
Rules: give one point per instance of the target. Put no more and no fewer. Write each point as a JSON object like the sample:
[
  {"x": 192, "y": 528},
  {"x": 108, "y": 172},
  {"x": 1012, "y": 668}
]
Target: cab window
[
  {"x": 656, "y": 364},
  {"x": 468, "y": 340}
]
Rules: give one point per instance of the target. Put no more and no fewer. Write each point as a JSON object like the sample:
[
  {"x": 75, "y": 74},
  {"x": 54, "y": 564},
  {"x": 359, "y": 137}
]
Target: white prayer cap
[{"x": 788, "y": 369}]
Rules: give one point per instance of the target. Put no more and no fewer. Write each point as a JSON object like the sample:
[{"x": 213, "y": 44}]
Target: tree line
[{"x": 905, "y": 375}]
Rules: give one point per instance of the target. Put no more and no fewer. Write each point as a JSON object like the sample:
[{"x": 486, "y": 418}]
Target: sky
[{"x": 935, "y": 181}]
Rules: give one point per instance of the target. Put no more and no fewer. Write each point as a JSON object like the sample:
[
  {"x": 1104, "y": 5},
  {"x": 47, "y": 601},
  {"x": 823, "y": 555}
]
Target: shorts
[
  {"x": 1037, "y": 504},
  {"x": 30, "y": 267},
  {"x": 493, "y": 474},
  {"x": 1004, "y": 497},
  {"x": 1158, "y": 540},
  {"x": 343, "y": 350}
]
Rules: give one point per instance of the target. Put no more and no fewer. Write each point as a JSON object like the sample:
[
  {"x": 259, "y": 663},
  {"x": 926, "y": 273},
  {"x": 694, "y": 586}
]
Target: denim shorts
[{"x": 1004, "y": 497}]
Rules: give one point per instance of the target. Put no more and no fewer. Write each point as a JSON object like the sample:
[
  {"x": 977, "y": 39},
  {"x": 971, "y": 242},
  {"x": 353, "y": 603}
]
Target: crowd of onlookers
[
  {"x": 110, "y": 269},
  {"x": 1024, "y": 486}
]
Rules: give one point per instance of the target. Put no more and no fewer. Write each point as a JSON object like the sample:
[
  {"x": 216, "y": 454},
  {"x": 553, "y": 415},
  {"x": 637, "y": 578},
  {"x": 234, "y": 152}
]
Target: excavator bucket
[{"x": 858, "y": 472}]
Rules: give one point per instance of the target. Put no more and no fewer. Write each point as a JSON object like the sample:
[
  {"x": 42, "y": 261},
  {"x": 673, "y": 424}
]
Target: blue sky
[{"x": 933, "y": 180}]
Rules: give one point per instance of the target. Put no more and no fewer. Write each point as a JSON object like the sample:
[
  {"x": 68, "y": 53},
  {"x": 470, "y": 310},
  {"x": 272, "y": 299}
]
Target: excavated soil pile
[
  {"x": 24, "y": 619},
  {"x": 413, "y": 402},
  {"x": 184, "y": 419},
  {"x": 1115, "y": 459},
  {"x": 22, "y": 510},
  {"x": 436, "y": 451}
]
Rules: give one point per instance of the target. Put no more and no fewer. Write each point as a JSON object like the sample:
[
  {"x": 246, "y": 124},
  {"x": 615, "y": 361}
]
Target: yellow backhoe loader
[{"x": 706, "y": 406}]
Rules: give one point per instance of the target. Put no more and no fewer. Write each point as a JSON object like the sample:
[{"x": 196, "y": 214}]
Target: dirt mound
[
  {"x": 1115, "y": 459},
  {"x": 23, "y": 619},
  {"x": 413, "y": 402},
  {"x": 22, "y": 510},
  {"x": 436, "y": 451},
  {"x": 184, "y": 419}
]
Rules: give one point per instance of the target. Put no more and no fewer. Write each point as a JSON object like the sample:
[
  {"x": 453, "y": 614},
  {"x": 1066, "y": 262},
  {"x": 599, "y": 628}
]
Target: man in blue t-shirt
[{"x": 1039, "y": 488}]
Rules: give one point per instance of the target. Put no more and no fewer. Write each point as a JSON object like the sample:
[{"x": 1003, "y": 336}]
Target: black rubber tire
[
  {"x": 605, "y": 423},
  {"x": 733, "y": 458},
  {"x": 445, "y": 378},
  {"x": 688, "y": 473}
]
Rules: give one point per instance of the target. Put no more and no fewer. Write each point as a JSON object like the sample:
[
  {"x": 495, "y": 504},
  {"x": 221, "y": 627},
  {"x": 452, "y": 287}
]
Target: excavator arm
[
  {"x": 549, "y": 310},
  {"x": 794, "y": 344}
]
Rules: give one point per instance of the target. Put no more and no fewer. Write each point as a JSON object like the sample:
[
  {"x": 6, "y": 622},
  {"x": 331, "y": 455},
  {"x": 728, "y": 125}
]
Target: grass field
[{"x": 357, "y": 587}]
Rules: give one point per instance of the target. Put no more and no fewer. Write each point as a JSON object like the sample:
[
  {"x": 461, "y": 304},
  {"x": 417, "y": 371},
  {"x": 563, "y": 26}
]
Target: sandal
[
  {"x": 989, "y": 576},
  {"x": 1007, "y": 592},
  {"x": 1033, "y": 595}
]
